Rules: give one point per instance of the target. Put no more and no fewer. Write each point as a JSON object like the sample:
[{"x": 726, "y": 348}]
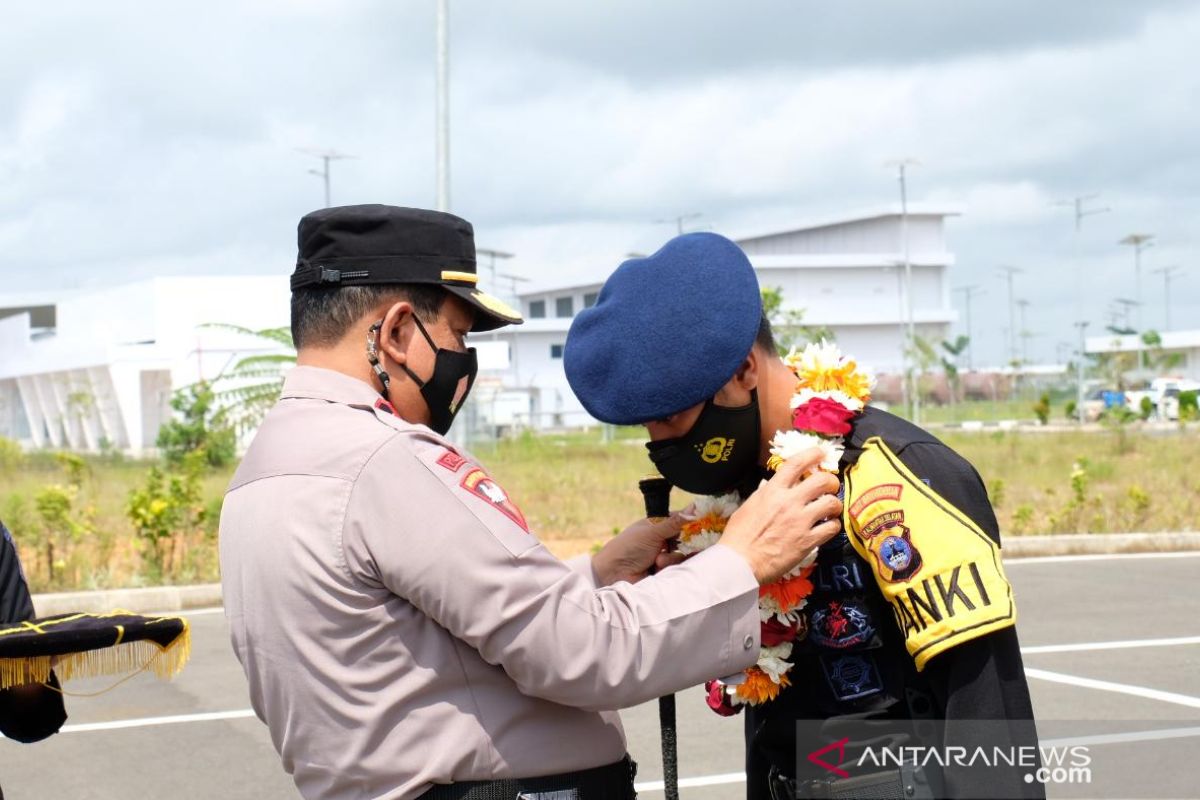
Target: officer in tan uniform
[{"x": 403, "y": 632}]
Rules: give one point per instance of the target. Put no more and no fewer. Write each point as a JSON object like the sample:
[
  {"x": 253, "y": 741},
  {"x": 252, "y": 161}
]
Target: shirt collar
[{"x": 319, "y": 383}]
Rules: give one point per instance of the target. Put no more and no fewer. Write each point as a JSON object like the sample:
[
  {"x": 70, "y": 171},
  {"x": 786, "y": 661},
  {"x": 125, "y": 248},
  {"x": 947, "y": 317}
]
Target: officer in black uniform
[
  {"x": 909, "y": 636},
  {"x": 31, "y": 712}
]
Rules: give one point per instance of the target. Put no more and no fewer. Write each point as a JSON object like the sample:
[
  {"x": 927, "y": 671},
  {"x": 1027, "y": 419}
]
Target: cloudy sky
[{"x": 142, "y": 138}]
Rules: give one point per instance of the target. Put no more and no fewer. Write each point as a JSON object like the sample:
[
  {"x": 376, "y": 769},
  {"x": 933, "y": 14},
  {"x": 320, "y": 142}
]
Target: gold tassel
[{"x": 165, "y": 662}]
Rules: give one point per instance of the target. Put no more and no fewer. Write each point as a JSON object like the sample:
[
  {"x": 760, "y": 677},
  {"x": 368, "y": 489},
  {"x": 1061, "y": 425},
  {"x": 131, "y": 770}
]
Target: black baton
[{"x": 656, "y": 492}]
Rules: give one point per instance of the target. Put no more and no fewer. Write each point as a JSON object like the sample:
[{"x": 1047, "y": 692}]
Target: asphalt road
[{"x": 1111, "y": 640}]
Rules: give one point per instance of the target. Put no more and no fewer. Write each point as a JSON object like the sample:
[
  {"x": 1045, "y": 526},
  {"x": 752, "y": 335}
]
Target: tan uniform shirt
[{"x": 399, "y": 626}]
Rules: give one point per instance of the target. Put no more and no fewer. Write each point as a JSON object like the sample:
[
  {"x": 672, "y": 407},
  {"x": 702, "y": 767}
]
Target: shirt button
[{"x": 748, "y": 642}]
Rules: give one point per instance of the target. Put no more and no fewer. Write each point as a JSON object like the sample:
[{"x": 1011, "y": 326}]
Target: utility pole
[
  {"x": 326, "y": 157},
  {"x": 492, "y": 256},
  {"x": 1077, "y": 206},
  {"x": 443, "y": 105},
  {"x": 679, "y": 220},
  {"x": 901, "y": 165},
  {"x": 1169, "y": 274},
  {"x": 968, "y": 292},
  {"x": 1079, "y": 372},
  {"x": 1126, "y": 304}
]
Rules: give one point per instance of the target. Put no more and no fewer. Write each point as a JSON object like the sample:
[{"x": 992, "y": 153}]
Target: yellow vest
[{"x": 940, "y": 573}]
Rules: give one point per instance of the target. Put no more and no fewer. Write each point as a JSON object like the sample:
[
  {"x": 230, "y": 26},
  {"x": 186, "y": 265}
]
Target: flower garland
[{"x": 830, "y": 392}]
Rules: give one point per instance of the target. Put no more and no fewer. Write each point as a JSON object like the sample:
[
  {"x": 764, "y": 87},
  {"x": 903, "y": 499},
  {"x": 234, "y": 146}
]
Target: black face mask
[
  {"x": 444, "y": 393},
  {"x": 719, "y": 451}
]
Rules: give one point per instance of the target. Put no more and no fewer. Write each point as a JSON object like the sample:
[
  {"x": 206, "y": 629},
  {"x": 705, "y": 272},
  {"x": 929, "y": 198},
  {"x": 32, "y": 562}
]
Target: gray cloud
[{"x": 136, "y": 138}]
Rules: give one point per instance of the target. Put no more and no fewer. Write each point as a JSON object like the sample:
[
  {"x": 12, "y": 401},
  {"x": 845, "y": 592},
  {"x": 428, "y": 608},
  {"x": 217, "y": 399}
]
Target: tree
[
  {"x": 788, "y": 324},
  {"x": 251, "y": 386},
  {"x": 954, "y": 350},
  {"x": 203, "y": 427}
]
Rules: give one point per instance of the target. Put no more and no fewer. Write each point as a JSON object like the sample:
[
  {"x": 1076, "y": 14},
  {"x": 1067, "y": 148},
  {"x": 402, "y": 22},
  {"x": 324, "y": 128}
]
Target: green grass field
[{"x": 577, "y": 490}]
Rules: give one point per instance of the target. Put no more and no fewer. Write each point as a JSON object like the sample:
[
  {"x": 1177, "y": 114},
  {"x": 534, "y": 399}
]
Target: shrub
[
  {"x": 1041, "y": 409},
  {"x": 204, "y": 427},
  {"x": 11, "y": 455}
]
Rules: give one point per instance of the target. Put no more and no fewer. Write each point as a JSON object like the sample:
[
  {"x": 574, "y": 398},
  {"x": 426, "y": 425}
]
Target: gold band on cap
[{"x": 465, "y": 277}]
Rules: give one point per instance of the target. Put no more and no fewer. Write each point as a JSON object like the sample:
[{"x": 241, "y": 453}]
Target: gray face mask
[
  {"x": 716, "y": 455},
  {"x": 446, "y": 389}
]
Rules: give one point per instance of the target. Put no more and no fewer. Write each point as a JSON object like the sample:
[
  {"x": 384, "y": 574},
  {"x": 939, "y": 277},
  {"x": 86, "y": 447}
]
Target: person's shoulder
[{"x": 896, "y": 432}]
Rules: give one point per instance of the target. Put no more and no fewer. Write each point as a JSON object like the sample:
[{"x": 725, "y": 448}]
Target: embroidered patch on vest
[
  {"x": 853, "y": 676},
  {"x": 479, "y": 484},
  {"x": 840, "y": 624}
]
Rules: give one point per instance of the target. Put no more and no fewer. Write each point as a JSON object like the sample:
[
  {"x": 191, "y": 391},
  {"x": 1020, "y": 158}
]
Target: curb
[
  {"x": 139, "y": 601},
  {"x": 208, "y": 595},
  {"x": 1072, "y": 544}
]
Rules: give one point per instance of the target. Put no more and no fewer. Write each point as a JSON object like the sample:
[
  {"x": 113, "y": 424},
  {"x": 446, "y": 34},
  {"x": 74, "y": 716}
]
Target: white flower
[
  {"x": 721, "y": 505},
  {"x": 773, "y": 660},
  {"x": 788, "y": 444},
  {"x": 698, "y": 542},
  {"x": 767, "y": 608},
  {"x": 815, "y": 357},
  {"x": 804, "y": 395}
]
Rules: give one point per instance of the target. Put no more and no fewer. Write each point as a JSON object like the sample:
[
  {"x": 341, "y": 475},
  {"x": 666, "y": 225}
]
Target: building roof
[
  {"x": 1171, "y": 340},
  {"x": 878, "y": 212}
]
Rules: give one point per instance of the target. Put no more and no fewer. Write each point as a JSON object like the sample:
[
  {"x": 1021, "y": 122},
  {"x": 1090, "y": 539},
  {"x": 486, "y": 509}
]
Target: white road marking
[
  {"x": 1122, "y": 738},
  {"x": 1119, "y": 645},
  {"x": 187, "y": 612},
  {"x": 1096, "y": 557},
  {"x": 1118, "y": 688},
  {"x": 144, "y": 722},
  {"x": 692, "y": 783}
]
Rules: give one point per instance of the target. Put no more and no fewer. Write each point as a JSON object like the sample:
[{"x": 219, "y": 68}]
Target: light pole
[
  {"x": 326, "y": 157},
  {"x": 1008, "y": 272},
  {"x": 443, "y": 105},
  {"x": 1076, "y": 203},
  {"x": 1126, "y": 304},
  {"x": 1169, "y": 274},
  {"x": 1024, "y": 333},
  {"x": 902, "y": 165},
  {"x": 679, "y": 220},
  {"x": 1079, "y": 372},
  {"x": 1139, "y": 242},
  {"x": 968, "y": 292}
]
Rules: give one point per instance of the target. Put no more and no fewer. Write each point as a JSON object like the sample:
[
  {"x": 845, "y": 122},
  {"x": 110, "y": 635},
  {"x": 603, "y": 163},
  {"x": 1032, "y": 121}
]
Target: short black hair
[
  {"x": 321, "y": 316},
  {"x": 765, "y": 338}
]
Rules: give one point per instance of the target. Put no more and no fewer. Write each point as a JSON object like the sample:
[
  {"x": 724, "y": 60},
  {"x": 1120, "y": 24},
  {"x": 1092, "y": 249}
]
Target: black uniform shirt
[
  {"x": 32, "y": 712},
  {"x": 867, "y": 670}
]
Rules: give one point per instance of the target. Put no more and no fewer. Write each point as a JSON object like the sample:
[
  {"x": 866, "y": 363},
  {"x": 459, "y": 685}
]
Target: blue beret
[{"x": 667, "y": 331}]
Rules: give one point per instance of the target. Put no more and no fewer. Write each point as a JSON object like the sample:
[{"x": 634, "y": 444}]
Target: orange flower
[
  {"x": 709, "y": 522},
  {"x": 789, "y": 592},
  {"x": 843, "y": 378},
  {"x": 758, "y": 687}
]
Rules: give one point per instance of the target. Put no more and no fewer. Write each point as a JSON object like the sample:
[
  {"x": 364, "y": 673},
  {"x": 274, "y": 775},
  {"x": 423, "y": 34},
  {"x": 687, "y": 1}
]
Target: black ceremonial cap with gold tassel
[{"x": 90, "y": 645}]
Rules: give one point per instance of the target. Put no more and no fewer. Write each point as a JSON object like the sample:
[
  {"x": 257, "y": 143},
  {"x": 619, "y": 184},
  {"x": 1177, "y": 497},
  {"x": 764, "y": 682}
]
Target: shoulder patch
[
  {"x": 940, "y": 573},
  {"x": 451, "y": 461},
  {"x": 479, "y": 484}
]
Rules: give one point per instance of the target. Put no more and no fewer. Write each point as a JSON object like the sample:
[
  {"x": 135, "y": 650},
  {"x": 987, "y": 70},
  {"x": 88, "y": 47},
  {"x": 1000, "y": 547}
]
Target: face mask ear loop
[
  {"x": 373, "y": 358},
  {"x": 433, "y": 347}
]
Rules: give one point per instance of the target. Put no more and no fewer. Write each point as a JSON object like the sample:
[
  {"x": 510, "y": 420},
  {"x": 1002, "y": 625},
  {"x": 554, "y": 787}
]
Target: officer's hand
[
  {"x": 781, "y": 522},
  {"x": 630, "y": 554}
]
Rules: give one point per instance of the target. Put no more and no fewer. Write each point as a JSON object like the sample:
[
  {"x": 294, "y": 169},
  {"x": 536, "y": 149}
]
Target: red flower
[
  {"x": 827, "y": 417},
  {"x": 775, "y": 633},
  {"x": 718, "y": 699}
]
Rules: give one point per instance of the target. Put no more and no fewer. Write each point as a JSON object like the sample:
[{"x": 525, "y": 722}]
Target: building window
[
  {"x": 556, "y": 351},
  {"x": 564, "y": 307},
  {"x": 590, "y": 298},
  {"x": 537, "y": 309}
]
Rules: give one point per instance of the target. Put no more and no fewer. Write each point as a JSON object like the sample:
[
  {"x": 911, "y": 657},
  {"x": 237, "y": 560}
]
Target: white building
[
  {"x": 98, "y": 369},
  {"x": 845, "y": 273},
  {"x": 95, "y": 369},
  {"x": 1185, "y": 344}
]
